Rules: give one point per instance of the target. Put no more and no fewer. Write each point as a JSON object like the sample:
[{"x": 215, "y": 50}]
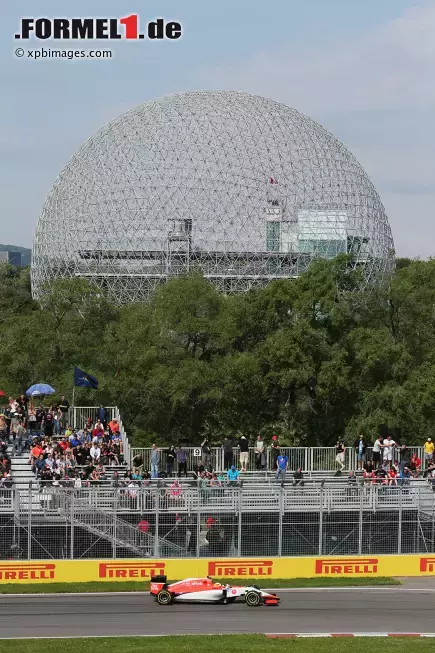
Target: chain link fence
[{"x": 253, "y": 520}]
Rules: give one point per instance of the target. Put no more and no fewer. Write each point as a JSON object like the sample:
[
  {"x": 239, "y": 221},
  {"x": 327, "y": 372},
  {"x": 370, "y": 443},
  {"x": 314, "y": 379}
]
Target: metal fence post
[
  {"x": 198, "y": 529},
  {"x": 281, "y": 504},
  {"x": 115, "y": 522},
  {"x": 399, "y": 528},
  {"x": 360, "y": 524},
  {"x": 71, "y": 519},
  {"x": 29, "y": 521},
  {"x": 156, "y": 535},
  {"x": 320, "y": 521},
  {"x": 239, "y": 524}
]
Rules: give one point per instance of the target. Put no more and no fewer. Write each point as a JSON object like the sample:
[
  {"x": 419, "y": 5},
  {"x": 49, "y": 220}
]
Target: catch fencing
[{"x": 259, "y": 519}]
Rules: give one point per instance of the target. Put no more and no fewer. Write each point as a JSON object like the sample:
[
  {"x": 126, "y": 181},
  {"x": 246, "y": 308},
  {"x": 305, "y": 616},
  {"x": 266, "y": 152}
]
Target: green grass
[
  {"x": 134, "y": 586},
  {"x": 219, "y": 643}
]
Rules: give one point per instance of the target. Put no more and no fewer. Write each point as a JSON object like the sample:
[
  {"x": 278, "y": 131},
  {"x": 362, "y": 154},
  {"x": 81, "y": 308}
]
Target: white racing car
[{"x": 205, "y": 590}]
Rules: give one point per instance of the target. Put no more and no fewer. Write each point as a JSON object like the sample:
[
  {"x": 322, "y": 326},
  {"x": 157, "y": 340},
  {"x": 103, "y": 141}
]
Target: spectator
[
  {"x": 171, "y": 457},
  {"x": 57, "y": 422},
  {"x": 340, "y": 451},
  {"x": 244, "y": 453},
  {"x": 405, "y": 476},
  {"x": 298, "y": 478},
  {"x": 369, "y": 467},
  {"x": 415, "y": 465},
  {"x": 387, "y": 450},
  {"x": 275, "y": 450},
  {"x": 182, "y": 461},
  {"x": 31, "y": 417},
  {"x": 227, "y": 446},
  {"x": 281, "y": 468},
  {"x": 155, "y": 461},
  {"x": 95, "y": 454},
  {"x": 175, "y": 491},
  {"x": 260, "y": 462},
  {"x": 102, "y": 416},
  {"x": 392, "y": 476},
  {"x": 64, "y": 408},
  {"x": 21, "y": 436},
  {"x": 2, "y": 425},
  {"x": 205, "y": 452},
  {"x": 361, "y": 451},
  {"x": 233, "y": 476},
  {"x": 137, "y": 464},
  {"x": 114, "y": 427},
  {"x": 428, "y": 451},
  {"x": 377, "y": 447},
  {"x": 404, "y": 457},
  {"x": 48, "y": 424},
  {"x": 39, "y": 465}
]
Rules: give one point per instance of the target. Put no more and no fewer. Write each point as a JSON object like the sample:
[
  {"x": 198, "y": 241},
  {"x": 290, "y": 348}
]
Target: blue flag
[{"x": 85, "y": 380}]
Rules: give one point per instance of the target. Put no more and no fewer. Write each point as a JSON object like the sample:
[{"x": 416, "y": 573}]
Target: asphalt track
[{"x": 392, "y": 610}]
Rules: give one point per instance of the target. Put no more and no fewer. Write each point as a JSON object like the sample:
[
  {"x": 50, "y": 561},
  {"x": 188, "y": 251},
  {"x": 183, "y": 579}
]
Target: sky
[{"x": 364, "y": 70}]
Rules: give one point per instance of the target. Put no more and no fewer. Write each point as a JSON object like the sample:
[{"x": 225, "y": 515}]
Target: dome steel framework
[{"x": 240, "y": 187}]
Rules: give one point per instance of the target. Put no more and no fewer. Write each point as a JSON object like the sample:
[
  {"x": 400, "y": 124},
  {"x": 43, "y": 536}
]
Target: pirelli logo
[
  {"x": 427, "y": 565},
  {"x": 130, "y": 569},
  {"x": 346, "y": 566},
  {"x": 30, "y": 571},
  {"x": 240, "y": 568}
]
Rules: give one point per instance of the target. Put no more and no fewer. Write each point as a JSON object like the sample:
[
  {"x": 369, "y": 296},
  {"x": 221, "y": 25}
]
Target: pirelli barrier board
[{"x": 69, "y": 571}]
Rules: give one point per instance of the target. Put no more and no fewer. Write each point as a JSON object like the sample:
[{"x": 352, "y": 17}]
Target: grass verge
[
  {"x": 219, "y": 643},
  {"x": 135, "y": 586}
]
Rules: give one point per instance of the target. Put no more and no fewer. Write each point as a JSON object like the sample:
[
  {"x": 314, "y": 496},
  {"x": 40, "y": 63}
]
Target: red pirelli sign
[
  {"x": 427, "y": 565},
  {"x": 130, "y": 569},
  {"x": 240, "y": 568},
  {"x": 27, "y": 571},
  {"x": 346, "y": 566}
]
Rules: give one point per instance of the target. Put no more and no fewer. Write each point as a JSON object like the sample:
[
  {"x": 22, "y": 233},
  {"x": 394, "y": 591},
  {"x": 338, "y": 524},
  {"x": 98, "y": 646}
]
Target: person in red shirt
[
  {"x": 114, "y": 427},
  {"x": 415, "y": 465},
  {"x": 392, "y": 476},
  {"x": 64, "y": 444},
  {"x": 35, "y": 452}
]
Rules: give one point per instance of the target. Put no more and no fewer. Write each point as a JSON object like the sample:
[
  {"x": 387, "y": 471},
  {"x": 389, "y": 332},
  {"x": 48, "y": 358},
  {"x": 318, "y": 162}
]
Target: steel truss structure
[
  {"x": 254, "y": 521},
  {"x": 241, "y": 188}
]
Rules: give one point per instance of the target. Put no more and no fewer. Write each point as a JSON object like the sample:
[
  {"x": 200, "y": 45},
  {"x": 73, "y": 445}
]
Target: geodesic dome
[{"x": 242, "y": 188}]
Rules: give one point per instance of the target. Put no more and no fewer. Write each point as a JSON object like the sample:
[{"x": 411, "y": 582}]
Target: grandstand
[{"x": 257, "y": 517}]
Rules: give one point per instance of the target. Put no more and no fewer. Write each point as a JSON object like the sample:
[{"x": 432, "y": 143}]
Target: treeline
[{"x": 309, "y": 360}]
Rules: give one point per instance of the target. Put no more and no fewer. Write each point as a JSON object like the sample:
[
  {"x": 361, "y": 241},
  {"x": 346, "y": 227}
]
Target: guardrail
[{"x": 310, "y": 459}]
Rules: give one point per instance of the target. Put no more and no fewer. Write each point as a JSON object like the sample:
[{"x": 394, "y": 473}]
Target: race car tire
[
  {"x": 164, "y": 597},
  {"x": 252, "y": 598}
]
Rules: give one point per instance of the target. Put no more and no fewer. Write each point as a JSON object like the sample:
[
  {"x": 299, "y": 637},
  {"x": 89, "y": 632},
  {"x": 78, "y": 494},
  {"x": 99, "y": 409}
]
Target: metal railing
[
  {"x": 256, "y": 520},
  {"x": 310, "y": 459}
]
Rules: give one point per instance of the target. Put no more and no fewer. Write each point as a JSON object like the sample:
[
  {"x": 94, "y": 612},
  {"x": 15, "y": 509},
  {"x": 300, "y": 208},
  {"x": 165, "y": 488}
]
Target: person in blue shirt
[
  {"x": 281, "y": 468},
  {"x": 233, "y": 475}
]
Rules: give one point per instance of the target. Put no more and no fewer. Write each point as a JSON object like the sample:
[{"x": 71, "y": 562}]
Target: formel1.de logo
[{"x": 74, "y": 29}]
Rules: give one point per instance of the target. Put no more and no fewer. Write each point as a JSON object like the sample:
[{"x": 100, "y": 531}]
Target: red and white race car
[{"x": 205, "y": 590}]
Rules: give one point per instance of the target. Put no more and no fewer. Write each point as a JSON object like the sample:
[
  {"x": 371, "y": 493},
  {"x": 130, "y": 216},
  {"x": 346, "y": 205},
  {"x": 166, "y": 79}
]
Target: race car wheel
[
  {"x": 252, "y": 599},
  {"x": 164, "y": 597}
]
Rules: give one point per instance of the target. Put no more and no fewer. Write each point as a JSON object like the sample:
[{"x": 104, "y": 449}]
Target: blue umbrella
[{"x": 40, "y": 389}]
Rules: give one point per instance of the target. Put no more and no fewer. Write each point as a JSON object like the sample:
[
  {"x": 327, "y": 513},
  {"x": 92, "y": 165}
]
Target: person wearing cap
[
  {"x": 233, "y": 475},
  {"x": 428, "y": 450}
]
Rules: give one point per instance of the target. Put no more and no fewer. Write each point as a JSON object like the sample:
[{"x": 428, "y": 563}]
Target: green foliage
[{"x": 310, "y": 360}]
